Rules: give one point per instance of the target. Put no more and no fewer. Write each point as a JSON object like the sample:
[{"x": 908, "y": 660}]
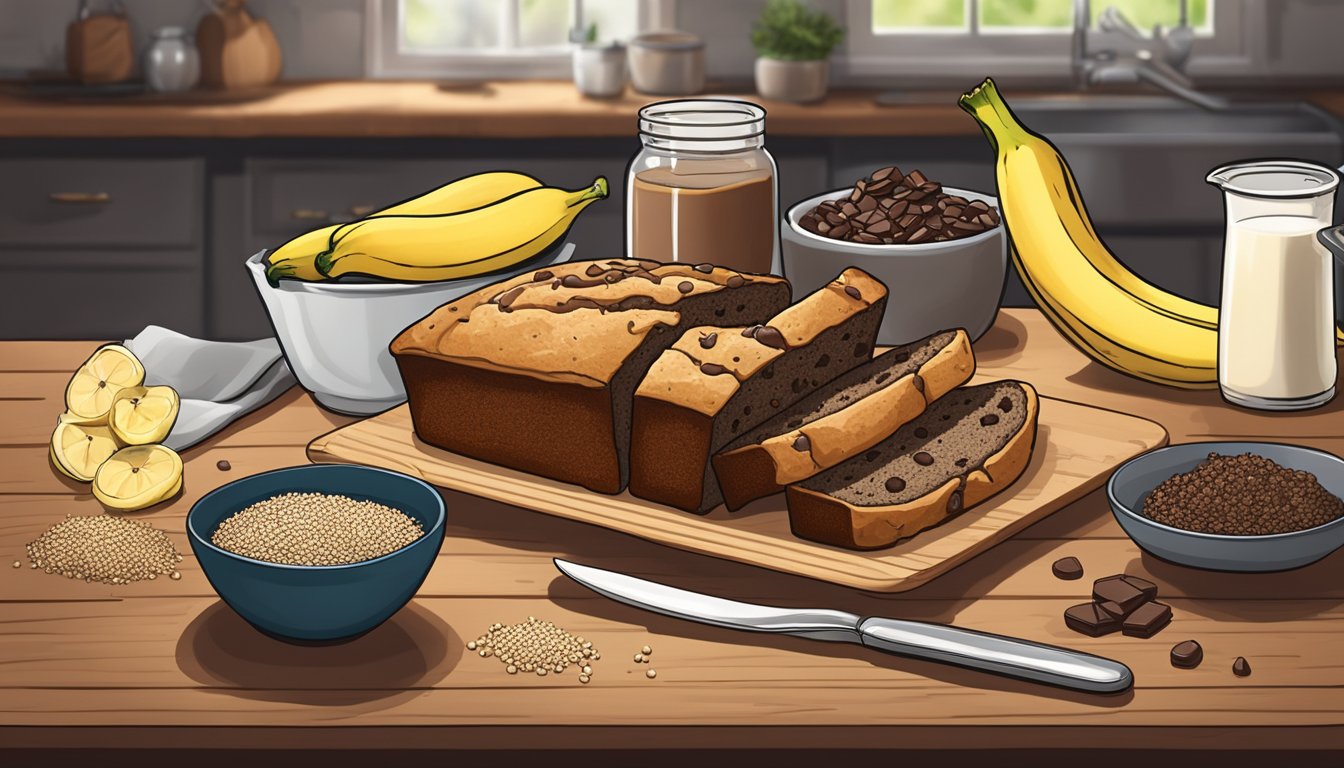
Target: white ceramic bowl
[
  {"x": 335, "y": 336},
  {"x": 933, "y": 286}
]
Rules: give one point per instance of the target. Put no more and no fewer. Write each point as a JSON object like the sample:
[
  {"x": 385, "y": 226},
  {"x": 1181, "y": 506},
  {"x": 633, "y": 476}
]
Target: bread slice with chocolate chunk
[
  {"x": 968, "y": 446},
  {"x": 717, "y": 382},
  {"x": 537, "y": 373},
  {"x": 844, "y": 418}
]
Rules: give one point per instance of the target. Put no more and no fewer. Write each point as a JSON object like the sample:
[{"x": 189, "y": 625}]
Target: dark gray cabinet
[{"x": 101, "y": 247}]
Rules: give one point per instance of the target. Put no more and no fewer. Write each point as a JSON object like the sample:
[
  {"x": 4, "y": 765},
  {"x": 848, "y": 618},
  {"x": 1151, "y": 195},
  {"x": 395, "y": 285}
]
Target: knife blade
[{"x": 1021, "y": 659}]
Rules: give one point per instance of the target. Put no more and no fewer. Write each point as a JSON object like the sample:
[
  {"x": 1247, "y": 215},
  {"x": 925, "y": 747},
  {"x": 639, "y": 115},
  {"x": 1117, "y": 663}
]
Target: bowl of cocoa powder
[{"x": 1232, "y": 506}]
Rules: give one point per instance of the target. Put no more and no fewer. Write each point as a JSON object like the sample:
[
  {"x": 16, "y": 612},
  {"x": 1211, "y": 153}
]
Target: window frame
[
  {"x": 1036, "y": 54},
  {"x": 383, "y": 58}
]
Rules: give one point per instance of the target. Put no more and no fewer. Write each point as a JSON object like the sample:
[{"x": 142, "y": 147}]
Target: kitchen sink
[
  {"x": 1157, "y": 120},
  {"x": 1141, "y": 160}
]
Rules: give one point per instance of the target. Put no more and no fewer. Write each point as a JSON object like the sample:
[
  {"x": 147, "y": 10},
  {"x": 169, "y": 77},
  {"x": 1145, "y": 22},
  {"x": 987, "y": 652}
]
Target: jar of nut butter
[{"x": 702, "y": 188}]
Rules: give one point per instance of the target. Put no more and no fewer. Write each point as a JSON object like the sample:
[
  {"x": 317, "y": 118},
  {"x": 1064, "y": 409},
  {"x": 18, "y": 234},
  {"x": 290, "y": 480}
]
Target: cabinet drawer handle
[
  {"x": 79, "y": 198},
  {"x": 309, "y": 214},
  {"x": 360, "y": 211}
]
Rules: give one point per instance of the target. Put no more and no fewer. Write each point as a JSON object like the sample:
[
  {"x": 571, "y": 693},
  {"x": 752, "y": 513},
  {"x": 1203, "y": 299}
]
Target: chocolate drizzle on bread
[
  {"x": 844, "y": 418},
  {"x": 940, "y": 463},
  {"x": 537, "y": 372}
]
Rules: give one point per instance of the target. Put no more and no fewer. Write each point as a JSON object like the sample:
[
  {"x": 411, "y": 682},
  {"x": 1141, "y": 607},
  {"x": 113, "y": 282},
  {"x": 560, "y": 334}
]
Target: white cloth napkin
[{"x": 218, "y": 381}]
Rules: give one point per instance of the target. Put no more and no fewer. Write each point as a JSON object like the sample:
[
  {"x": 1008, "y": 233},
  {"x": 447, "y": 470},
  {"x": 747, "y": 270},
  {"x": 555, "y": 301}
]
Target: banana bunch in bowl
[
  {"x": 1101, "y": 306},
  {"x": 473, "y": 226}
]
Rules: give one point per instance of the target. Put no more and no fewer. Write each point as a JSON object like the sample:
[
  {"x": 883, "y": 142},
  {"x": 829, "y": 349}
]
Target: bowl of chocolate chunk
[
  {"x": 941, "y": 251},
  {"x": 1232, "y": 506}
]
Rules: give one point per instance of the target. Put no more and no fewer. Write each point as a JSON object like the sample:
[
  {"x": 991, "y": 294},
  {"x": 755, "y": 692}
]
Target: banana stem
[
  {"x": 993, "y": 114},
  {"x": 598, "y": 191}
]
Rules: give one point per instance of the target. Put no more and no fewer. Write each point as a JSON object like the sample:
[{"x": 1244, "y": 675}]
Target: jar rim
[{"x": 702, "y": 123}]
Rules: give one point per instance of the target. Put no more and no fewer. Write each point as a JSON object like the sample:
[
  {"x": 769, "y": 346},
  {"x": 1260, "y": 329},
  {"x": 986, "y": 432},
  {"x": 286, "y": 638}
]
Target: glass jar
[
  {"x": 171, "y": 62},
  {"x": 703, "y": 187}
]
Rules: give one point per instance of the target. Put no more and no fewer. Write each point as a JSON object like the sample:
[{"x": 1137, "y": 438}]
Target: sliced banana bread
[
  {"x": 845, "y": 417},
  {"x": 966, "y": 447},
  {"x": 717, "y": 382},
  {"x": 536, "y": 373}
]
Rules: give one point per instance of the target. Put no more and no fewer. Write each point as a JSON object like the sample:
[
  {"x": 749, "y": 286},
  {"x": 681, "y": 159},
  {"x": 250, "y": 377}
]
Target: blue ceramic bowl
[
  {"x": 1129, "y": 487},
  {"x": 318, "y": 603}
]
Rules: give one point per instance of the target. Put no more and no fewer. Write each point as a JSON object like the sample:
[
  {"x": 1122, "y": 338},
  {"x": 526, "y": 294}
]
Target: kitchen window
[
  {"x": 492, "y": 38},
  {"x": 968, "y": 38}
]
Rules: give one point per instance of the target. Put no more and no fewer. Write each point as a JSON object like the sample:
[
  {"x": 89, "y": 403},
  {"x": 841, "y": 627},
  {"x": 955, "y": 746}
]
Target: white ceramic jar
[{"x": 171, "y": 63}]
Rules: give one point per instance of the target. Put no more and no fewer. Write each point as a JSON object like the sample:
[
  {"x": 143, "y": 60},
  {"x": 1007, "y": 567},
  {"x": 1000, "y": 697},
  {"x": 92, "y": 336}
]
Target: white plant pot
[{"x": 796, "y": 81}]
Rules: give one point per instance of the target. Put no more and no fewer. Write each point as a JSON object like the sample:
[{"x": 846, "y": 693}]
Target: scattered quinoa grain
[
  {"x": 639, "y": 657},
  {"x": 316, "y": 529},
  {"x": 103, "y": 548},
  {"x": 584, "y": 679},
  {"x": 535, "y": 646},
  {"x": 18, "y": 564},
  {"x": 652, "y": 673},
  {"x": 646, "y": 650}
]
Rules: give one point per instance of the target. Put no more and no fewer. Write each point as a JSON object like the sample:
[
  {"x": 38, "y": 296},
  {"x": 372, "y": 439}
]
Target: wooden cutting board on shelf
[{"x": 1077, "y": 446}]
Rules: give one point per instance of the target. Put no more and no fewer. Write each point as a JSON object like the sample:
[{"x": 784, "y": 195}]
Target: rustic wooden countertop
[
  {"x": 518, "y": 109},
  {"x": 166, "y": 665}
]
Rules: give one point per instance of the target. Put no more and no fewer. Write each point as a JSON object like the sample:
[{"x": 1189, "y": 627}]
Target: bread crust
[
  {"x": 533, "y": 373},
  {"x": 690, "y": 385},
  {"x": 819, "y": 517},
  {"x": 765, "y": 468}
]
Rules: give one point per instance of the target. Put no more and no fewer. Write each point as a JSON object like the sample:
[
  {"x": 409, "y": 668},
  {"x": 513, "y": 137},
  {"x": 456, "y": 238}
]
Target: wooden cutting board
[{"x": 1077, "y": 446}]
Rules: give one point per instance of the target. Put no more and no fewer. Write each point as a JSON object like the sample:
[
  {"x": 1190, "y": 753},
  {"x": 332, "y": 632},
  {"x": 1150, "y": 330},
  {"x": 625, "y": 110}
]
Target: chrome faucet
[{"x": 1158, "y": 60}]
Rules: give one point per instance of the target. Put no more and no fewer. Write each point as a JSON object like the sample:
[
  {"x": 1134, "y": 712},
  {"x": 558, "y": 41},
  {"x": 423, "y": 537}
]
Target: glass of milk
[{"x": 1276, "y": 321}]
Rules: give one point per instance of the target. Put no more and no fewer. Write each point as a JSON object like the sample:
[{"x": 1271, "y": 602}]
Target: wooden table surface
[{"x": 164, "y": 664}]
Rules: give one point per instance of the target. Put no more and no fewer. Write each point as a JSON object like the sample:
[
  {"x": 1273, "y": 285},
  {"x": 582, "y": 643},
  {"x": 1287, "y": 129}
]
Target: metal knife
[{"x": 935, "y": 642}]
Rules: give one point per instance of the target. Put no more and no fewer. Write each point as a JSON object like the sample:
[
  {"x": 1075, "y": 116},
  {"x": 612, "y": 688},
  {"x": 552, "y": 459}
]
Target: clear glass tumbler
[{"x": 1276, "y": 321}]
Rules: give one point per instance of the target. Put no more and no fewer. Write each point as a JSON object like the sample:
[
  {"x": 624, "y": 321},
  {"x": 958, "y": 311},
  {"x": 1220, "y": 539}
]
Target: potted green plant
[{"x": 792, "y": 44}]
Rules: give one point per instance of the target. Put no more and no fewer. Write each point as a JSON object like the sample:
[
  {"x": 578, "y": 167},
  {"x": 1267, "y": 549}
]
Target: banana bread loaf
[
  {"x": 717, "y": 382},
  {"x": 845, "y": 417},
  {"x": 536, "y": 373},
  {"x": 966, "y": 447}
]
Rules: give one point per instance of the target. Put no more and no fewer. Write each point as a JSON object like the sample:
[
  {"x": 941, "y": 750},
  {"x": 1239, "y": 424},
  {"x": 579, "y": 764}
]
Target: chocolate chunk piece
[
  {"x": 923, "y": 458},
  {"x": 853, "y": 292},
  {"x": 1241, "y": 667},
  {"x": 1148, "y": 588},
  {"x": 223, "y": 465},
  {"x": 736, "y": 281},
  {"x": 706, "y": 268},
  {"x": 989, "y": 420},
  {"x": 918, "y": 382},
  {"x": 1116, "y": 589},
  {"x": 1113, "y": 608},
  {"x": 802, "y": 444},
  {"x": 543, "y": 276},
  {"x": 593, "y": 270},
  {"x": 1067, "y": 568},
  {"x": 685, "y": 286},
  {"x": 1186, "y": 655},
  {"x": 921, "y": 432},
  {"x": 770, "y": 337},
  {"x": 1090, "y": 620},
  {"x": 1147, "y": 620},
  {"x": 712, "y": 369},
  {"x": 894, "y": 484},
  {"x": 708, "y": 340},
  {"x": 954, "y": 503},
  {"x": 1005, "y": 405}
]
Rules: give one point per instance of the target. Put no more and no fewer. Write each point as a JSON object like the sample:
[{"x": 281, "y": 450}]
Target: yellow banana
[
  {"x": 1053, "y": 238},
  {"x": 295, "y": 259},
  {"x": 1103, "y": 308},
  {"x": 454, "y": 245}
]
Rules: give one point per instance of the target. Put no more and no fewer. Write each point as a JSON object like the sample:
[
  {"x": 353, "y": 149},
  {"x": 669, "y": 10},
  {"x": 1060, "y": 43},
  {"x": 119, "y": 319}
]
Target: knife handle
[{"x": 994, "y": 653}]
